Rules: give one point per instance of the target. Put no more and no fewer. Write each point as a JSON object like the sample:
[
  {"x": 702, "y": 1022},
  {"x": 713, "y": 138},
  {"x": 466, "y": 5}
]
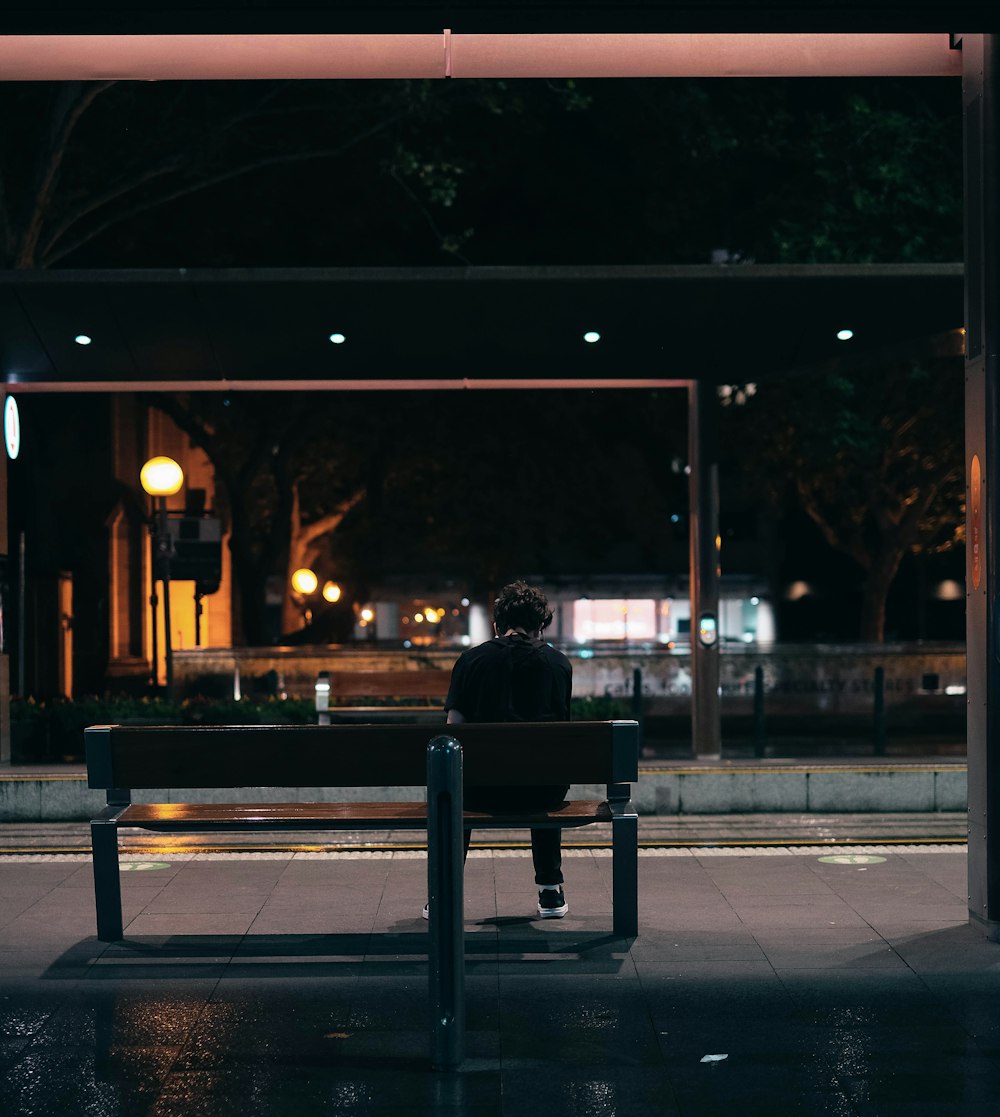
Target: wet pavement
[{"x": 765, "y": 980}]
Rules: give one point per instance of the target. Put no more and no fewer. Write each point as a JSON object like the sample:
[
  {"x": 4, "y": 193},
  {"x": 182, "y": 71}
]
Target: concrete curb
[{"x": 663, "y": 790}]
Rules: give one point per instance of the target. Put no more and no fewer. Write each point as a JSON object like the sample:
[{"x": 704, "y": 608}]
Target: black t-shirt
[{"x": 511, "y": 678}]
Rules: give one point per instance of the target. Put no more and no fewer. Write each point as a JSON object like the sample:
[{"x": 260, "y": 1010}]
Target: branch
[
  {"x": 68, "y": 116},
  {"x": 110, "y": 195},
  {"x": 194, "y": 187},
  {"x": 851, "y": 545},
  {"x": 426, "y": 214},
  {"x": 331, "y": 521}
]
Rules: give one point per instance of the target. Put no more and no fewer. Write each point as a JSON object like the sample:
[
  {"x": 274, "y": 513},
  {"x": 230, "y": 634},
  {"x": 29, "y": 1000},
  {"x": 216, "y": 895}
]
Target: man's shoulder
[
  {"x": 556, "y": 655},
  {"x": 480, "y": 651}
]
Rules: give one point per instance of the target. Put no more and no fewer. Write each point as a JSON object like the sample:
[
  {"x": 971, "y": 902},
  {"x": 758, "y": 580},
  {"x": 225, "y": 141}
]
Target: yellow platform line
[
  {"x": 727, "y": 843},
  {"x": 798, "y": 769}
]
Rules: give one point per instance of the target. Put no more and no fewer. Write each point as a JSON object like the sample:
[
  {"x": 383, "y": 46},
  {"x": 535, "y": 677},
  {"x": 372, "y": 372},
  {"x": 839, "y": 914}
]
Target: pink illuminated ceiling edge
[
  {"x": 379, "y": 385},
  {"x": 241, "y": 57}
]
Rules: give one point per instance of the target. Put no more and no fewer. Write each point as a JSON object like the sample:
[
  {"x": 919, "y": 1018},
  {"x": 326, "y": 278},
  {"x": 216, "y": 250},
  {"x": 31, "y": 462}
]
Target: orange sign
[{"x": 976, "y": 521}]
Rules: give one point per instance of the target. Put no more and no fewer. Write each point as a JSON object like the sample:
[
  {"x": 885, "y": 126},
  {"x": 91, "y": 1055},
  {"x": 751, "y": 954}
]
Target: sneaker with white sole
[{"x": 552, "y": 903}]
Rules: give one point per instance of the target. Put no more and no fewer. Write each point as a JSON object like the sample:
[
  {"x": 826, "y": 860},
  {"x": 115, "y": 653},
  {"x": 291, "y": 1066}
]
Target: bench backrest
[
  {"x": 389, "y": 684},
  {"x": 120, "y": 756}
]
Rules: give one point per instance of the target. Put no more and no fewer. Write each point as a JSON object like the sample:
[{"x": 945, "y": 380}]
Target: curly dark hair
[{"x": 521, "y": 606}]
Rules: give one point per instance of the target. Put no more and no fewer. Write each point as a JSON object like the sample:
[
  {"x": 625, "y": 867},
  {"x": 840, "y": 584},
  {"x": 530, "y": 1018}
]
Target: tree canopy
[
  {"x": 220, "y": 174},
  {"x": 872, "y": 452}
]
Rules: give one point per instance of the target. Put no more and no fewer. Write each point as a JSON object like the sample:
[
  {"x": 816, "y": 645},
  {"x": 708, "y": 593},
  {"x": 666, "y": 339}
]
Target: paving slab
[{"x": 763, "y": 980}]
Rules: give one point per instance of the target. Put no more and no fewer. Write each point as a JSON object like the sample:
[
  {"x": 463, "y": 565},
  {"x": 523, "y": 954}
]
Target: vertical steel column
[
  {"x": 445, "y": 872},
  {"x": 981, "y": 111},
  {"x": 759, "y": 725},
  {"x": 703, "y": 499},
  {"x": 878, "y": 712}
]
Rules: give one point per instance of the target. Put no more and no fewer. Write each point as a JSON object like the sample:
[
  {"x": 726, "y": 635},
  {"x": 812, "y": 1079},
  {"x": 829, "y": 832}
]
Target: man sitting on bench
[{"x": 517, "y": 676}]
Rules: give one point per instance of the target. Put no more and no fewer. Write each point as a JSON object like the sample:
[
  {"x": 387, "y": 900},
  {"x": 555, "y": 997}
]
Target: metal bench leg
[
  {"x": 107, "y": 879},
  {"x": 625, "y": 875},
  {"x": 445, "y": 888}
]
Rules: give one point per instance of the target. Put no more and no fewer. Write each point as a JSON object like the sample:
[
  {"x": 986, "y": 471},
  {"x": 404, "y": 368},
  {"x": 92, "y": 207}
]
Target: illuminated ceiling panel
[{"x": 445, "y": 54}]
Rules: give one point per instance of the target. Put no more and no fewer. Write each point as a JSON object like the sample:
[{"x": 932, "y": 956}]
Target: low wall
[
  {"x": 661, "y": 790},
  {"x": 798, "y": 679}
]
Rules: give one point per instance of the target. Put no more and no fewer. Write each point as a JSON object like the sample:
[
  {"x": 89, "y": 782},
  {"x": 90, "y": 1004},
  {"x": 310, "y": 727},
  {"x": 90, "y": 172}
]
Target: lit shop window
[{"x": 614, "y": 620}]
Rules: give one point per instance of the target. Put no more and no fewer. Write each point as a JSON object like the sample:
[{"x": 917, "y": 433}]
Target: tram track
[{"x": 765, "y": 831}]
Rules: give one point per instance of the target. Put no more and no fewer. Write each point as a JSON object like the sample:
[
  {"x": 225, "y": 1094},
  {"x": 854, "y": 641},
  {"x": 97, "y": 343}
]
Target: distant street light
[
  {"x": 304, "y": 583},
  {"x": 331, "y": 592},
  {"x": 162, "y": 477}
]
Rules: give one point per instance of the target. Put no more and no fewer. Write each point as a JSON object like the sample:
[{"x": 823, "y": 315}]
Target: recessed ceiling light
[
  {"x": 83, "y": 339},
  {"x": 338, "y": 339},
  {"x": 845, "y": 335},
  {"x": 591, "y": 336}
]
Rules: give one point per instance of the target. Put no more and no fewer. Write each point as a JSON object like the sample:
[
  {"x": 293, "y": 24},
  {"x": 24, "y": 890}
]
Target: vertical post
[
  {"x": 981, "y": 112},
  {"x": 22, "y": 617},
  {"x": 323, "y": 698},
  {"x": 165, "y": 547},
  {"x": 154, "y": 605},
  {"x": 446, "y": 951},
  {"x": 878, "y": 712},
  {"x": 637, "y": 700},
  {"x": 703, "y": 482},
  {"x": 759, "y": 730},
  {"x": 107, "y": 877},
  {"x": 6, "y": 744}
]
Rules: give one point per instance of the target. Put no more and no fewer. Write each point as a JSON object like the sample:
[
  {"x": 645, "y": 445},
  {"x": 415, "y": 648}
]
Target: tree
[
  {"x": 118, "y": 173},
  {"x": 873, "y": 452},
  {"x": 269, "y": 453},
  {"x": 258, "y": 173}
]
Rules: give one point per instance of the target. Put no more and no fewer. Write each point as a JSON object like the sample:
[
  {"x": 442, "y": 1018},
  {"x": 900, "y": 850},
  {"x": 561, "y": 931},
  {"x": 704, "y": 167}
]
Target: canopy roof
[
  {"x": 491, "y": 16},
  {"x": 455, "y": 327}
]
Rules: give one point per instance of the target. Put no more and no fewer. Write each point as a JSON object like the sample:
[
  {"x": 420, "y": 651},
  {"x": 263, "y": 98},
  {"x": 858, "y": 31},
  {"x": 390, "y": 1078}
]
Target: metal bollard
[
  {"x": 759, "y": 733},
  {"x": 879, "y": 712},
  {"x": 323, "y": 698},
  {"x": 445, "y": 879}
]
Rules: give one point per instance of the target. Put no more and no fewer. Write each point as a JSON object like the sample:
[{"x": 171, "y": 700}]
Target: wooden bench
[
  {"x": 331, "y": 686},
  {"x": 320, "y": 759}
]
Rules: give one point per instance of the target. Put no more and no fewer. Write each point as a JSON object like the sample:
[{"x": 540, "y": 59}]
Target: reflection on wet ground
[{"x": 768, "y": 981}]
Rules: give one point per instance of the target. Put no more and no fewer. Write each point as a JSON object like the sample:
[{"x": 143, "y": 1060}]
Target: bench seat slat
[{"x": 303, "y": 816}]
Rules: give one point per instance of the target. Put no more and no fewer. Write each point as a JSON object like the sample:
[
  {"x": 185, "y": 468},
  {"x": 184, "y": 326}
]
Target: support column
[
  {"x": 7, "y": 601},
  {"x": 981, "y": 110},
  {"x": 703, "y": 500}
]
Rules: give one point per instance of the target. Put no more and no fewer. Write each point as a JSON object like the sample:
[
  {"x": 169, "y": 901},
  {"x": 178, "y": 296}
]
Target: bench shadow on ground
[{"x": 370, "y": 954}]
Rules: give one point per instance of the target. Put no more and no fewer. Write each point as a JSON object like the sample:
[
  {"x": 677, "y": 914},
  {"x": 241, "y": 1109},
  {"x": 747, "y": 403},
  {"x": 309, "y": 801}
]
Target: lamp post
[
  {"x": 304, "y": 583},
  {"x": 162, "y": 477}
]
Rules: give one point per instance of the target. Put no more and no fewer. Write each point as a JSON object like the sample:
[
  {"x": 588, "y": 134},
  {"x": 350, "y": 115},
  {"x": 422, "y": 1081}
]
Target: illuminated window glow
[{"x": 614, "y": 619}]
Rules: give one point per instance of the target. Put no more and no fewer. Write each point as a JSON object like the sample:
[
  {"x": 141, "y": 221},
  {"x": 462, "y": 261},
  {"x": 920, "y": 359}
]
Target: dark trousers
[{"x": 546, "y": 841}]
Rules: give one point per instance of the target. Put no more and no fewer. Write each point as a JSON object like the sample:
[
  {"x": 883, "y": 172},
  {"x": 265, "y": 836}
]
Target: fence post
[
  {"x": 879, "y": 711},
  {"x": 446, "y": 951},
  {"x": 759, "y": 734},
  {"x": 637, "y": 700},
  {"x": 323, "y": 698}
]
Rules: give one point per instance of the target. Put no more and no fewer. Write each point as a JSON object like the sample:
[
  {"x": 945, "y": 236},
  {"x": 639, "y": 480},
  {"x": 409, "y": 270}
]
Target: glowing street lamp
[
  {"x": 331, "y": 592},
  {"x": 304, "y": 583},
  {"x": 161, "y": 477}
]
